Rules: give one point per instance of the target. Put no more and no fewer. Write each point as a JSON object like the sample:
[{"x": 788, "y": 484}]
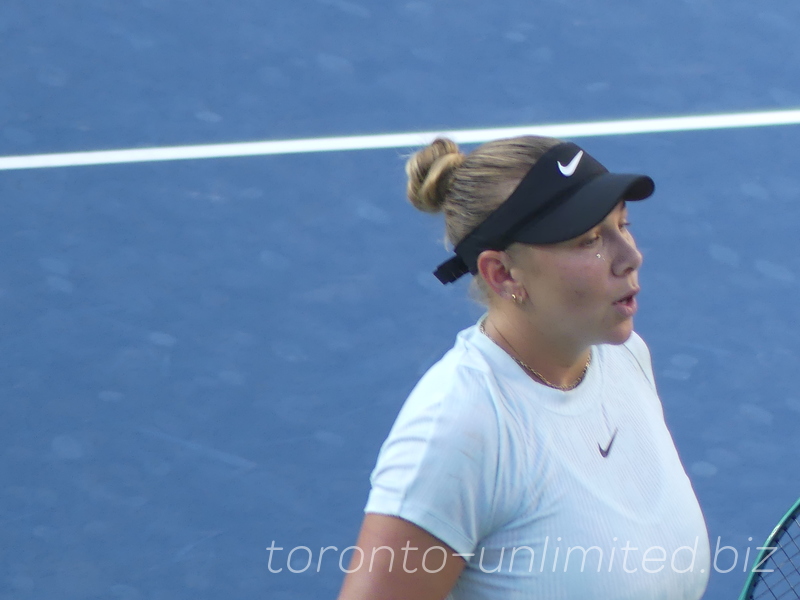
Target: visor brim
[{"x": 585, "y": 208}]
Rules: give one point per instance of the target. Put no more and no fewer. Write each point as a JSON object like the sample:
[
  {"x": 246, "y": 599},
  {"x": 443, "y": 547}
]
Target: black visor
[{"x": 565, "y": 194}]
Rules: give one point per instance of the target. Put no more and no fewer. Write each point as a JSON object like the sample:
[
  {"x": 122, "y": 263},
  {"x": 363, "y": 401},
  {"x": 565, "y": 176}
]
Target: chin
[{"x": 621, "y": 333}]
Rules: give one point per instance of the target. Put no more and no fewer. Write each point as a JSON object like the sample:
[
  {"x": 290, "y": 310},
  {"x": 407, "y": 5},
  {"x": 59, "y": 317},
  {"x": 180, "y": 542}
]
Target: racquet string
[{"x": 783, "y": 583}]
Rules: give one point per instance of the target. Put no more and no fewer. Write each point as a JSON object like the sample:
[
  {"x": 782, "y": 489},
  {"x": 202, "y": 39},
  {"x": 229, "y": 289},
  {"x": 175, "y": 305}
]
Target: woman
[{"x": 533, "y": 461}]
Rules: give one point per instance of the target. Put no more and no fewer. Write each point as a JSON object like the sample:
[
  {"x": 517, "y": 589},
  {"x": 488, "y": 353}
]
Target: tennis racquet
[{"x": 776, "y": 570}]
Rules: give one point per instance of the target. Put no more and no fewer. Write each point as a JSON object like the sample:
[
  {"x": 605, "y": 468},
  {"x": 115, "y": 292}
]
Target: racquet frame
[{"x": 767, "y": 550}]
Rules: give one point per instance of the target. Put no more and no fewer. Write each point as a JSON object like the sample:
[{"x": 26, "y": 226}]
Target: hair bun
[{"x": 429, "y": 173}]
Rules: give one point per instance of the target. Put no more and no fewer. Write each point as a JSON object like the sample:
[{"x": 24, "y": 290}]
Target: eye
[
  {"x": 624, "y": 225},
  {"x": 591, "y": 241}
]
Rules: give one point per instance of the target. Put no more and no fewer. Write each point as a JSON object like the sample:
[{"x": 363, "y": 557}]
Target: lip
[
  {"x": 631, "y": 293},
  {"x": 627, "y": 309}
]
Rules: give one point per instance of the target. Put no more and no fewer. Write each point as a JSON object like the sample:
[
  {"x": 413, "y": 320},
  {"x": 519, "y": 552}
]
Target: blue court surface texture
[{"x": 200, "y": 358}]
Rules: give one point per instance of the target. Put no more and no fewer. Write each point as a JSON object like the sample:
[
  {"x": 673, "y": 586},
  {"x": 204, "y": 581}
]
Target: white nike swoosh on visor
[{"x": 568, "y": 170}]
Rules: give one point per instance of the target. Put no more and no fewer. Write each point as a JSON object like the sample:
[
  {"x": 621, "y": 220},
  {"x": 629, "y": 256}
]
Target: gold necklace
[{"x": 536, "y": 373}]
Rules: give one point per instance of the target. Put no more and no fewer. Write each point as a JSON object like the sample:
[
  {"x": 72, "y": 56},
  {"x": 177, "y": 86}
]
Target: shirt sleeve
[
  {"x": 641, "y": 353},
  {"x": 438, "y": 467}
]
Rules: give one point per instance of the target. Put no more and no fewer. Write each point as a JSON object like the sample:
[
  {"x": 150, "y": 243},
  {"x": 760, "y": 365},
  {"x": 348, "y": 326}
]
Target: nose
[{"x": 628, "y": 257}]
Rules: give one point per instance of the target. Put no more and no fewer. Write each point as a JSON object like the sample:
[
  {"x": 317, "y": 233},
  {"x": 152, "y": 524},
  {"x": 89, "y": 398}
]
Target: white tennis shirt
[{"x": 511, "y": 474}]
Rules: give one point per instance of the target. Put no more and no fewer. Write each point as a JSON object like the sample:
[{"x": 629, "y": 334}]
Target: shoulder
[
  {"x": 636, "y": 349},
  {"x": 460, "y": 382},
  {"x": 637, "y": 346},
  {"x": 453, "y": 398},
  {"x": 439, "y": 465}
]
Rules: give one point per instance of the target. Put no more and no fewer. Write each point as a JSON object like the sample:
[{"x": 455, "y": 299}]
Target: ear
[{"x": 495, "y": 268}]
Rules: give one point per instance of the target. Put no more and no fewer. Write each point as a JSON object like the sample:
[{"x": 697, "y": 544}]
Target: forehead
[
  {"x": 621, "y": 207},
  {"x": 619, "y": 211}
]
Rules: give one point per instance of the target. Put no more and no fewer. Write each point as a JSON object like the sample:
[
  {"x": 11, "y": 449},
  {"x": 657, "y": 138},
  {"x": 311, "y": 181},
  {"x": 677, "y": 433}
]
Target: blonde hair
[{"x": 468, "y": 187}]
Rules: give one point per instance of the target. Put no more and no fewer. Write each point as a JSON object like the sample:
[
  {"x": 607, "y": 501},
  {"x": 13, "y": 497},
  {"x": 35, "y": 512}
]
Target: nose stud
[{"x": 600, "y": 256}]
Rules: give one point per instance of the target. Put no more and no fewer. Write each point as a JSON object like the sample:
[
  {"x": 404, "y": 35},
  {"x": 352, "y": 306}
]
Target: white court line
[{"x": 400, "y": 140}]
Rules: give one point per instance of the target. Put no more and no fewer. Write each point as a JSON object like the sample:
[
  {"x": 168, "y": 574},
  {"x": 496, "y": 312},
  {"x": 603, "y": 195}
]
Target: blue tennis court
[{"x": 201, "y": 358}]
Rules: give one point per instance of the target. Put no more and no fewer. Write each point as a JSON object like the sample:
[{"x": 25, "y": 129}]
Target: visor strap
[{"x": 451, "y": 270}]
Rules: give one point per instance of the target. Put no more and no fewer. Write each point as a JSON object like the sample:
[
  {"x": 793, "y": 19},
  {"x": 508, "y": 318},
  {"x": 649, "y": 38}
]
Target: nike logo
[
  {"x": 568, "y": 169},
  {"x": 604, "y": 452}
]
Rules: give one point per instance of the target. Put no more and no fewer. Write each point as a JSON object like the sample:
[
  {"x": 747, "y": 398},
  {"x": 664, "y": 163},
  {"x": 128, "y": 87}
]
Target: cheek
[
  {"x": 562, "y": 298},
  {"x": 582, "y": 300},
  {"x": 571, "y": 286},
  {"x": 584, "y": 287}
]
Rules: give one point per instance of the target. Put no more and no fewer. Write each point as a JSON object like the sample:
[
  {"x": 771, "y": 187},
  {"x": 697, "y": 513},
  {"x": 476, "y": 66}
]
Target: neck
[{"x": 560, "y": 362}]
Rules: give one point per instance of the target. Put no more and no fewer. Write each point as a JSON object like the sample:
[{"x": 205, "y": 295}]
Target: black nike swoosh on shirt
[{"x": 604, "y": 452}]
